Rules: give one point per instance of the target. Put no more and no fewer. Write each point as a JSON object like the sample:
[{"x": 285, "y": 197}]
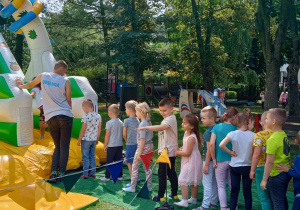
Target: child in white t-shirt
[
  {"x": 89, "y": 138},
  {"x": 37, "y": 93},
  {"x": 241, "y": 158}
]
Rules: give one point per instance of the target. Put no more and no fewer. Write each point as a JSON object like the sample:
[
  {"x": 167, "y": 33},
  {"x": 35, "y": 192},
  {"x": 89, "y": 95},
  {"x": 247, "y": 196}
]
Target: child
[
  {"x": 241, "y": 157},
  {"x": 262, "y": 96},
  {"x": 88, "y": 137},
  {"x": 210, "y": 191},
  {"x": 145, "y": 146},
  {"x": 129, "y": 132},
  {"x": 167, "y": 138},
  {"x": 295, "y": 173},
  {"x": 258, "y": 163},
  {"x": 113, "y": 140},
  {"x": 222, "y": 168},
  {"x": 37, "y": 92},
  {"x": 191, "y": 164},
  {"x": 278, "y": 152}
]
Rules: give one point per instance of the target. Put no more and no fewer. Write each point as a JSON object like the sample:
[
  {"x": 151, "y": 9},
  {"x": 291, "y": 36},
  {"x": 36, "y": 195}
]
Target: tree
[{"x": 272, "y": 46}]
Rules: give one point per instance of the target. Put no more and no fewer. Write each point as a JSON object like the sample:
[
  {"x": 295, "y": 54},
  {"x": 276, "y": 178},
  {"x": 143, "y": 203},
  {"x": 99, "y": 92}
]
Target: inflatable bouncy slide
[{"x": 23, "y": 158}]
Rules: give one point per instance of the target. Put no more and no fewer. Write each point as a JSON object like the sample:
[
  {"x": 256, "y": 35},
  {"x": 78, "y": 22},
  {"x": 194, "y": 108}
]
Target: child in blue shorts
[{"x": 129, "y": 133}]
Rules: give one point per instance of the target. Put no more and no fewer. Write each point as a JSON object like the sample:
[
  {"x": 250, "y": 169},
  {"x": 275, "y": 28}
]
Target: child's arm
[
  {"x": 99, "y": 132},
  {"x": 82, "y": 131},
  {"x": 292, "y": 172},
  {"x": 268, "y": 169},
  {"x": 161, "y": 127},
  {"x": 125, "y": 133},
  {"x": 106, "y": 139},
  {"x": 223, "y": 144},
  {"x": 255, "y": 159},
  {"x": 68, "y": 93},
  {"x": 207, "y": 158},
  {"x": 32, "y": 93},
  {"x": 213, "y": 149},
  {"x": 141, "y": 148},
  {"x": 190, "y": 144}
]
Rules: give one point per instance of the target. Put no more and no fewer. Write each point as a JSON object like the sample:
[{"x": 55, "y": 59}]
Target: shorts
[
  {"x": 42, "y": 116},
  {"x": 130, "y": 151}
]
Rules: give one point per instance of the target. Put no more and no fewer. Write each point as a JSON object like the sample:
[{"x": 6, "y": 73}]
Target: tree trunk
[
  {"x": 208, "y": 80},
  {"x": 19, "y": 50},
  {"x": 294, "y": 65},
  {"x": 104, "y": 26},
  {"x": 272, "y": 50}
]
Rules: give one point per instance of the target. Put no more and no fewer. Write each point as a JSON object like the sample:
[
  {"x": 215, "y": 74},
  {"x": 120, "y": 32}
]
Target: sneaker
[
  {"x": 158, "y": 199},
  {"x": 92, "y": 175},
  {"x": 213, "y": 206},
  {"x": 139, "y": 180},
  {"x": 120, "y": 178},
  {"x": 59, "y": 179},
  {"x": 52, "y": 179},
  {"x": 83, "y": 177},
  {"x": 104, "y": 179},
  {"x": 182, "y": 203},
  {"x": 174, "y": 197},
  {"x": 128, "y": 189},
  {"x": 192, "y": 200}
]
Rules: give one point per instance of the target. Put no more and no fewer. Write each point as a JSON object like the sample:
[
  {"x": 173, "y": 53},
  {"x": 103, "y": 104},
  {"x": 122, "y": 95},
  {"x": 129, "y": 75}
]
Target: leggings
[{"x": 223, "y": 174}]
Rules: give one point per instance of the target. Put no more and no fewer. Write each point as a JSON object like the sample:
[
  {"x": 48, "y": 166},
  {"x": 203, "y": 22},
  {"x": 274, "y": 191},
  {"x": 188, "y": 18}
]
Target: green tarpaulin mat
[{"x": 112, "y": 193}]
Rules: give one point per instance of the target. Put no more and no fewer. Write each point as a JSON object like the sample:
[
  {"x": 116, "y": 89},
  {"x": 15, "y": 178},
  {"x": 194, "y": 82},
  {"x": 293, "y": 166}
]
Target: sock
[{"x": 193, "y": 199}]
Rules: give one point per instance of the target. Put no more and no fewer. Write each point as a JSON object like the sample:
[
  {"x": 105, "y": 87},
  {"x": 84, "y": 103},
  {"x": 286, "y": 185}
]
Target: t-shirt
[
  {"x": 260, "y": 140},
  {"x": 38, "y": 97},
  {"x": 92, "y": 120},
  {"x": 242, "y": 145},
  {"x": 221, "y": 130},
  {"x": 148, "y": 135},
  {"x": 283, "y": 98},
  {"x": 168, "y": 138},
  {"x": 278, "y": 144},
  {"x": 295, "y": 173},
  {"x": 207, "y": 135},
  {"x": 131, "y": 124},
  {"x": 116, "y": 132},
  {"x": 262, "y": 98}
]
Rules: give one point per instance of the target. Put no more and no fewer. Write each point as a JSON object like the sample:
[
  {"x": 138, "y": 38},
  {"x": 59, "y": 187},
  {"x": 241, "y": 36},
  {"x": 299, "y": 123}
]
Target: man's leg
[
  {"x": 55, "y": 134},
  {"x": 65, "y": 124}
]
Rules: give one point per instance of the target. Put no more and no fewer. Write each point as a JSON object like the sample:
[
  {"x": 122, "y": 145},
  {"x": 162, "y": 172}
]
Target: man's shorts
[
  {"x": 42, "y": 116},
  {"x": 130, "y": 151}
]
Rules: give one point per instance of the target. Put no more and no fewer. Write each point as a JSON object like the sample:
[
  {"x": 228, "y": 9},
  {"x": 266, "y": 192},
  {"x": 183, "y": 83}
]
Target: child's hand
[
  {"x": 181, "y": 148},
  {"x": 105, "y": 149},
  {"x": 138, "y": 158},
  {"x": 205, "y": 169},
  {"x": 19, "y": 82},
  {"x": 177, "y": 153},
  {"x": 263, "y": 184},
  {"x": 79, "y": 142},
  {"x": 282, "y": 168},
  {"x": 251, "y": 175},
  {"x": 215, "y": 164},
  {"x": 233, "y": 154},
  {"x": 97, "y": 142}
]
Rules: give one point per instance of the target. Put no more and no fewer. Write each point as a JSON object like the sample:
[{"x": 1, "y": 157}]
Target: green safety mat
[{"x": 112, "y": 193}]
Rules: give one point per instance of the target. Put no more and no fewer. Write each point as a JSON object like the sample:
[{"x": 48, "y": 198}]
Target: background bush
[{"x": 230, "y": 95}]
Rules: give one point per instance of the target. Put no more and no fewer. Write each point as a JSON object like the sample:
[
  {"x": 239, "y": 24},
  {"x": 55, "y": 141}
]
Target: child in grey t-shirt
[{"x": 113, "y": 140}]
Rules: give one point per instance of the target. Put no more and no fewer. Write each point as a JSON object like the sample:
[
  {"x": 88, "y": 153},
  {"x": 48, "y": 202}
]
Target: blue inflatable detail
[
  {"x": 22, "y": 22},
  {"x": 8, "y": 11}
]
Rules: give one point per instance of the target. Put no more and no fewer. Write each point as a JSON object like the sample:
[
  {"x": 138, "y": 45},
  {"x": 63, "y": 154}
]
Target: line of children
[{"x": 227, "y": 154}]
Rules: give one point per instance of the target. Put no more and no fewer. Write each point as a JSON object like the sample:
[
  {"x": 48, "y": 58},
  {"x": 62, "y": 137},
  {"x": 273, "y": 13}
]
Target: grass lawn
[{"x": 156, "y": 119}]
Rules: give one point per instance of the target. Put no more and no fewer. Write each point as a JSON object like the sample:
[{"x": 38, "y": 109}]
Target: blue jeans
[
  {"x": 210, "y": 187},
  {"x": 278, "y": 186},
  {"x": 60, "y": 127},
  {"x": 88, "y": 156}
]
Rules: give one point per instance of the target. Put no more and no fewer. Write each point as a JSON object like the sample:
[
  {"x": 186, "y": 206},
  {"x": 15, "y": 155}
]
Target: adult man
[{"x": 56, "y": 91}]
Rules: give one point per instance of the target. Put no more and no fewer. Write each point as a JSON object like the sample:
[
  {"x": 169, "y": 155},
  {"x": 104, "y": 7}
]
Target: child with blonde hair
[
  {"x": 241, "y": 157},
  {"x": 129, "y": 132},
  {"x": 145, "y": 146},
  {"x": 191, "y": 163},
  {"x": 220, "y": 158}
]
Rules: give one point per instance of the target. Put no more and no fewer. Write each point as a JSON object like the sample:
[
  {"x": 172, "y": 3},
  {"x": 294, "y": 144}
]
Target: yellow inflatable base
[{"x": 28, "y": 164}]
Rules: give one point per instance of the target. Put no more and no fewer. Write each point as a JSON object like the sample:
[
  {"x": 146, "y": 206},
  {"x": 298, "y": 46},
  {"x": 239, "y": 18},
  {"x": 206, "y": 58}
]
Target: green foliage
[{"x": 230, "y": 95}]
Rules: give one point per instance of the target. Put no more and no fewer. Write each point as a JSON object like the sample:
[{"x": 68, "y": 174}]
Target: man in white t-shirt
[{"x": 167, "y": 138}]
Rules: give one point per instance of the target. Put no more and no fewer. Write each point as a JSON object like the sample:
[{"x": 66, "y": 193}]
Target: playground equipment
[
  {"x": 152, "y": 94},
  {"x": 186, "y": 103}
]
